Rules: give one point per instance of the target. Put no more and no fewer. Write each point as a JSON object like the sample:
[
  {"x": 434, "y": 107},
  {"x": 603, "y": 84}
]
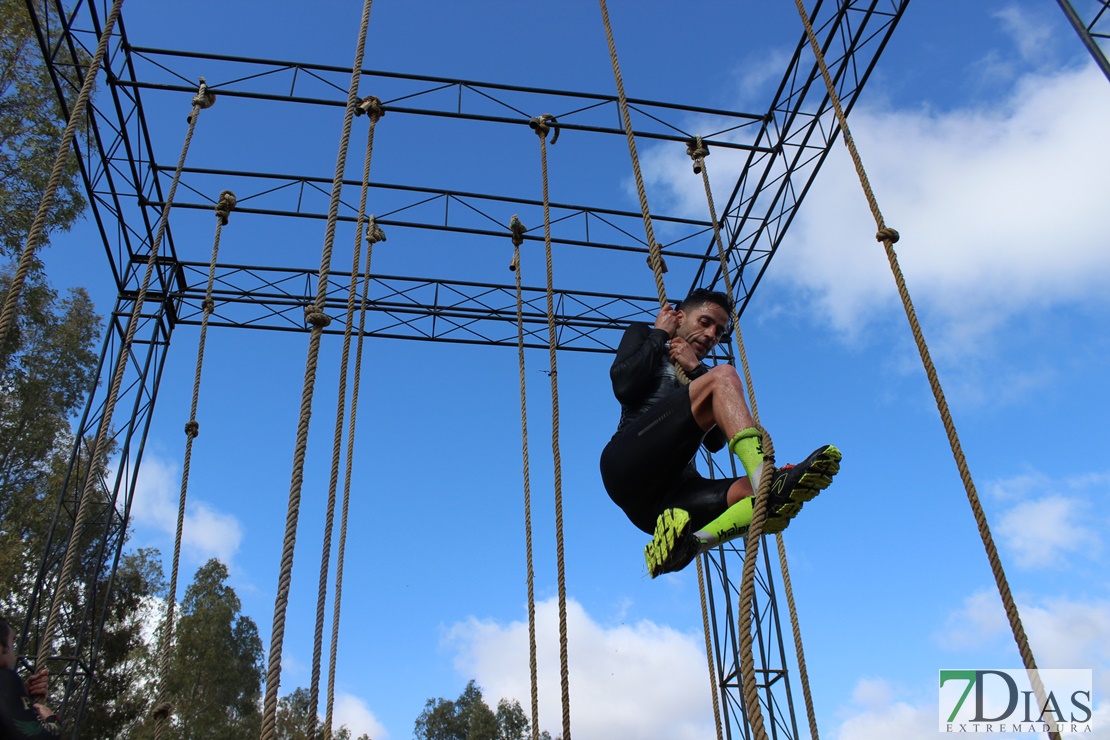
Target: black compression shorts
[{"x": 646, "y": 466}]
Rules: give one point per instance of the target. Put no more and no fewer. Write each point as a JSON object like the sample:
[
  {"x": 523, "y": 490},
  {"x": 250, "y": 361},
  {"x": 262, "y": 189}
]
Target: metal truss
[
  {"x": 1092, "y": 22},
  {"x": 125, "y": 167},
  {"x": 723, "y": 573}
]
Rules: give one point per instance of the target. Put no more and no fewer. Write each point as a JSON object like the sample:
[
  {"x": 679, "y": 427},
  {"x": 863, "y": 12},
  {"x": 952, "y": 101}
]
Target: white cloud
[
  {"x": 1040, "y": 532},
  {"x": 1031, "y": 34},
  {"x": 980, "y": 619},
  {"x": 875, "y": 715},
  {"x": 1063, "y": 632},
  {"x": 1069, "y": 634},
  {"x": 1001, "y": 210},
  {"x": 207, "y": 532},
  {"x": 351, "y": 711},
  {"x": 626, "y": 680},
  {"x": 1049, "y": 519}
]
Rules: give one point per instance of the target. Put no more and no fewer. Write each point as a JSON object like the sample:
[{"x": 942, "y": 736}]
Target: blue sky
[{"x": 983, "y": 130}]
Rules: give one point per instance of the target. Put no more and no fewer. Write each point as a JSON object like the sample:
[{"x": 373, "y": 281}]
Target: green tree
[
  {"x": 120, "y": 697},
  {"x": 470, "y": 718},
  {"x": 296, "y": 717},
  {"x": 215, "y": 680},
  {"x": 31, "y": 127},
  {"x": 46, "y": 367}
]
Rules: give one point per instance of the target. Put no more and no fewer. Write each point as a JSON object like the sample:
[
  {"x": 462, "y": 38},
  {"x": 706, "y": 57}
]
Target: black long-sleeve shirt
[
  {"x": 642, "y": 374},
  {"x": 18, "y": 718}
]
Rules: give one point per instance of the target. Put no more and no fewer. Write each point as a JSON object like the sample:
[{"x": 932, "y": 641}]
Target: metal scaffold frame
[
  {"x": 125, "y": 172},
  {"x": 1091, "y": 20}
]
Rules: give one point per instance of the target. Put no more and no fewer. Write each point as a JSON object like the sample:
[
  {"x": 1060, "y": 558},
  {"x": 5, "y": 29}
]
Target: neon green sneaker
[{"x": 673, "y": 547}]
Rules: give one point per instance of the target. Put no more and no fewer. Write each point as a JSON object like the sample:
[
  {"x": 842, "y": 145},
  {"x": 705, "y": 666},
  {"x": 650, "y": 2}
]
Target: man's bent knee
[{"x": 721, "y": 380}]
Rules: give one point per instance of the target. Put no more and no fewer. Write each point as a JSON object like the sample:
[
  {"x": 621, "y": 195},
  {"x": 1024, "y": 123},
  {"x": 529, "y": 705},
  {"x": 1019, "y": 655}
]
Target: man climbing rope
[{"x": 648, "y": 466}]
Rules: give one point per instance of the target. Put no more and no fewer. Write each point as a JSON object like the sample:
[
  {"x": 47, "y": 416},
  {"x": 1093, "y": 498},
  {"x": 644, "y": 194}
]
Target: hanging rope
[
  {"x": 340, "y": 412},
  {"x": 203, "y": 99},
  {"x": 317, "y": 321},
  {"x": 542, "y": 125},
  {"x": 698, "y": 152},
  {"x": 518, "y": 230},
  {"x": 655, "y": 255},
  {"x": 373, "y": 235},
  {"x": 796, "y": 630},
  {"x": 27, "y": 256},
  {"x": 709, "y": 651},
  {"x": 889, "y": 237},
  {"x": 164, "y": 709}
]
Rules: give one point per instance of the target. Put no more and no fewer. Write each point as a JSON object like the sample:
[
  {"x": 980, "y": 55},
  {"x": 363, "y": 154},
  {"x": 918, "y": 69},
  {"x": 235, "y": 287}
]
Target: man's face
[{"x": 702, "y": 327}]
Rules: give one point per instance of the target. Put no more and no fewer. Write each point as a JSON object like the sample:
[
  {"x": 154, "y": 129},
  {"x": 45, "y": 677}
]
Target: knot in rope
[
  {"x": 655, "y": 260},
  {"x": 698, "y": 151},
  {"x": 374, "y": 233},
  {"x": 370, "y": 106},
  {"x": 518, "y": 232},
  {"x": 887, "y": 234},
  {"x": 225, "y": 206},
  {"x": 204, "y": 98},
  {"x": 316, "y": 319},
  {"x": 192, "y": 428},
  {"x": 542, "y": 124},
  {"x": 208, "y": 305},
  {"x": 162, "y": 711}
]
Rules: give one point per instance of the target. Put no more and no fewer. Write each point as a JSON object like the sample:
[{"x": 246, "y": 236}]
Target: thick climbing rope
[
  {"x": 340, "y": 413},
  {"x": 27, "y": 256},
  {"x": 517, "y": 229},
  {"x": 542, "y": 125},
  {"x": 164, "y": 709},
  {"x": 655, "y": 257},
  {"x": 317, "y": 320},
  {"x": 889, "y": 237},
  {"x": 713, "y": 686},
  {"x": 203, "y": 99},
  {"x": 698, "y": 152},
  {"x": 373, "y": 235}
]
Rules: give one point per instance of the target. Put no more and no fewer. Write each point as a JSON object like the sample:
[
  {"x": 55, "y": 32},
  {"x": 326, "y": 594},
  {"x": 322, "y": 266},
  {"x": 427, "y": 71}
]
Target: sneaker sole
[
  {"x": 673, "y": 547},
  {"x": 822, "y": 466}
]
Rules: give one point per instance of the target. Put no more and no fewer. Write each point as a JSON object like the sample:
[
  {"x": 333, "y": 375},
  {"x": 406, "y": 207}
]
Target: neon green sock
[
  {"x": 748, "y": 446},
  {"x": 728, "y": 526}
]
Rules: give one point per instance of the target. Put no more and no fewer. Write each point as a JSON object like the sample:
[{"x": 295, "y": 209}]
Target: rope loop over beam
[
  {"x": 697, "y": 150},
  {"x": 315, "y": 319},
  {"x": 370, "y": 106},
  {"x": 517, "y": 229},
  {"x": 225, "y": 206},
  {"x": 374, "y": 233},
  {"x": 544, "y": 123},
  {"x": 203, "y": 100}
]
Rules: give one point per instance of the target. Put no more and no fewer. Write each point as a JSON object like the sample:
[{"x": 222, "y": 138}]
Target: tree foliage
[
  {"x": 297, "y": 719},
  {"x": 470, "y": 718},
  {"x": 46, "y": 367},
  {"x": 31, "y": 127},
  {"x": 215, "y": 678},
  {"x": 119, "y": 698}
]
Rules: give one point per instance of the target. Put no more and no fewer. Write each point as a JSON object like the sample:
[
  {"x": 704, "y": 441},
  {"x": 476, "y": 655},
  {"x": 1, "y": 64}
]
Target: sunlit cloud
[
  {"x": 627, "y": 680},
  {"x": 207, "y": 531}
]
